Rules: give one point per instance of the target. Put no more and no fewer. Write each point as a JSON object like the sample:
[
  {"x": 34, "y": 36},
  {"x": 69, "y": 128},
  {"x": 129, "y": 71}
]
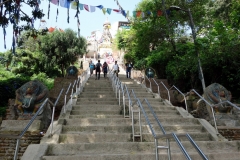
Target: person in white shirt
[{"x": 115, "y": 68}]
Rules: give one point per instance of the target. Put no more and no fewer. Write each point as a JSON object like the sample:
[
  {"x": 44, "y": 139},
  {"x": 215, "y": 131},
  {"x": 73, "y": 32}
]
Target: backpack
[
  {"x": 98, "y": 66},
  {"x": 92, "y": 66},
  {"x": 105, "y": 67}
]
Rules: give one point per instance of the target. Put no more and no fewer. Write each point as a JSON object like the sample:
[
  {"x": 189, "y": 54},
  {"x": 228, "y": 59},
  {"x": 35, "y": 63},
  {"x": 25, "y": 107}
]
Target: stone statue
[
  {"x": 224, "y": 113},
  {"x": 216, "y": 93},
  {"x": 72, "y": 71},
  {"x": 30, "y": 96}
]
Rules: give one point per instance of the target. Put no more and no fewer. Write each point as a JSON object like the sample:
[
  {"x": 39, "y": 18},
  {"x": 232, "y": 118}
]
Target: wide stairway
[{"x": 93, "y": 128}]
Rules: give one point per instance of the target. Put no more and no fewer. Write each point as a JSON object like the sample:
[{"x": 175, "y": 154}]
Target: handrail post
[
  {"x": 156, "y": 148},
  {"x": 79, "y": 85},
  {"x": 124, "y": 105},
  {"x": 140, "y": 124},
  {"x": 65, "y": 98},
  {"x": 158, "y": 87},
  {"x": 16, "y": 149},
  {"x": 133, "y": 131},
  {"x": 53, "y": 112},
  {"x": 72, "y": 91},
  {"x": 167, "y": 90},
  {"x": 214, "y": 119},
  {"x": 26, "y": 128},
  {"x": 119, "y": 97}
]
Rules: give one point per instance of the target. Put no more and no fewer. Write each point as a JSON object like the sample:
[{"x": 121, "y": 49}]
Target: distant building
[{"x": 123, "y": 25}]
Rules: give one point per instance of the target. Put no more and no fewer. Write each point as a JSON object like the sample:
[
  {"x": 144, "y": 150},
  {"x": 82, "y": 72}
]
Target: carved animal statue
[
  {"x": 216, "y": 93},
  {"x": 30, "y": 96},
  {"x": 213, "y": 94}
]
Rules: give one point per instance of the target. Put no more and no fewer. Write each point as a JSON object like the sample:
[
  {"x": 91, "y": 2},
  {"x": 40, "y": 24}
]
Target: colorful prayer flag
[
  {"x": 159, "y": 13},
  {"x": 86, "y": 7},
  {"x": 139, "y": 13},
  {"x": 54, "y": 2},
  {"x": 117, "y": 10},
  {"x": 124, "y": 13},
  {"x": 135, "y": 14},
  {"x": 104, "y": 10},
  {"x": 109, "y": 10},
  {"x": 92, "y": 9},
  {"x": 64, "y": 3},
  {"x": 80, "y": 6},
  {"x": 74, "y": 5},
  {"x": 100, "y": 7}
]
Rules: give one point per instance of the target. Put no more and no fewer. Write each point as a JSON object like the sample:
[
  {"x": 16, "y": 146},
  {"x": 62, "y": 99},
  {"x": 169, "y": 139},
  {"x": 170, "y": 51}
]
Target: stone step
[
  {"x": 93, "y": 89},
  {"x": 98, "y": 86},
  {"x": 121, "y": 121},
  {"x": 97, "y": 112},
  {"x": 94, "y": 137},
  {"x": 119, "y": 137},
  {"x": 95, "y": 116},
  {"x": 138, "y": 147},
  {"x": 96, "y": 107},
  {"x": 106, "y": 102},
  {"x": 67, "y": 129},
  {"x": 96, "y": 98},
  {"x": 96, "y": 129},
  {"x": 96, "y": 94},
  {"x": 139, "y": 156}
]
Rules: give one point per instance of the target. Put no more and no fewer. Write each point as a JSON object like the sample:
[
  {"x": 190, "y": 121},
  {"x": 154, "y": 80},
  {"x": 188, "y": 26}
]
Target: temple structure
[{"x": 100, "y": 43}]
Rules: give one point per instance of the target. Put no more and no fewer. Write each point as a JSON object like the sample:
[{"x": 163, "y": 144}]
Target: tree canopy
[
  {"x": 165, "y": 42},
  {"x": 52, "y": 53}
]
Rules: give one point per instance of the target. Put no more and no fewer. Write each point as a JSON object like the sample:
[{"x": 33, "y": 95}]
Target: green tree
[
  {"x": 12, "y": 13},
  {"x": 61, "y": 49}
]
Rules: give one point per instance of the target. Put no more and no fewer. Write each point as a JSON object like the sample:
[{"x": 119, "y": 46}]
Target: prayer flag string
[{"x": 49, "y": 8}]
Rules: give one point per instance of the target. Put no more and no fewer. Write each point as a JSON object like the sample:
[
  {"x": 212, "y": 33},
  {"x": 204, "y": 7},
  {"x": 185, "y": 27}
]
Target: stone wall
[
  {"x": 230, "y": 133},
  {"x": 7, "y": 145}
]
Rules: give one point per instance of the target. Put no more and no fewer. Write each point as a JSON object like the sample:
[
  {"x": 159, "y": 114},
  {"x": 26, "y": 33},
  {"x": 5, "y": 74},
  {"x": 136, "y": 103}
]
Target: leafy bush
[
  {"x": 3, "y": 111},
  {"x": 49, "y": 82}
]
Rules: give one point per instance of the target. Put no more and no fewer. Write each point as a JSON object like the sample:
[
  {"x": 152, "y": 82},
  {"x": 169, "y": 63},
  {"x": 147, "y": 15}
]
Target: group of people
[{"x": 105, "y": 68}]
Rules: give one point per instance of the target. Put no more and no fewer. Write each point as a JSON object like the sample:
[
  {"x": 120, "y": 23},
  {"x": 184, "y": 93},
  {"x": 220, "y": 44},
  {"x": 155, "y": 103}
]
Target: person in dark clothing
[
  {"x": 98, "y": 70},
  {"x": 128, "y": 69},
  {"x": 105, "y": 69}
]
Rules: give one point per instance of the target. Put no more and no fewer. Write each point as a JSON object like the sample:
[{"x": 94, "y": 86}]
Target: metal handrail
[
  {"x": 184, "y": 96},
  {"x": 181, "y": 146},
  {"x": 139, "y": 118},
  {"x": 149, "y": 82},
  {"x": 72, "y": 91},
  {"x": 120, "y": 89},
  {"x": 65, "y": 98},
  {"x": 196, "y": 146},
  {"x": 211, "y": 105},
  {"x": 24, "y": 130},
  {"x": 173, "y": 135},
  {"x": 129, "y": 102},
  {"x": 53, "y": 112},
  {"x": 167, "y": 91},
  {"x": 155, "y": 116},
  {"x": 158, "y": 87}
]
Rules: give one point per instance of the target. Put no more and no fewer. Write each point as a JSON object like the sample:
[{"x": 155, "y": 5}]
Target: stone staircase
[{"x": 94, "y": 129}]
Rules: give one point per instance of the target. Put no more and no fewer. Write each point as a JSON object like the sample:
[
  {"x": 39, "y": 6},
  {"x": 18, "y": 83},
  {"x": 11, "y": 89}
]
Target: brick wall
[
  {"x": 7, "y": 146},
  {"x": 230, "y": 133}
]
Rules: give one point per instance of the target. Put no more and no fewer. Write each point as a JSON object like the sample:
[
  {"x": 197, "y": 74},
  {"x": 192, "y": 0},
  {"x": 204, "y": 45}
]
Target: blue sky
[{"x": 89, "y": 21}]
